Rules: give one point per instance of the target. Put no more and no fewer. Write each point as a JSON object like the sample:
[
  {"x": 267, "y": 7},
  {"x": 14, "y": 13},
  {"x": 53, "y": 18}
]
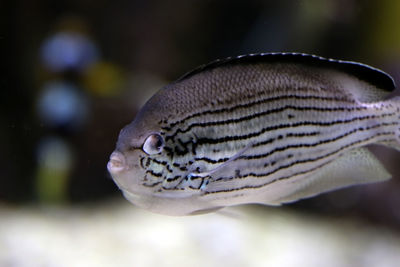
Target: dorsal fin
[{"x": 363, "y": 72}]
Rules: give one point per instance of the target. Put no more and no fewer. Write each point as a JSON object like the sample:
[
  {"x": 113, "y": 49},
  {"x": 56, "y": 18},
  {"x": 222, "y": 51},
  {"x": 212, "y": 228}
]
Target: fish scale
[{"x": 269, "y": 128}]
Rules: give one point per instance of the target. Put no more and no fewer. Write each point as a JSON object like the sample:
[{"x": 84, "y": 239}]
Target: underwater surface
[{"x": 75, "y": 73}]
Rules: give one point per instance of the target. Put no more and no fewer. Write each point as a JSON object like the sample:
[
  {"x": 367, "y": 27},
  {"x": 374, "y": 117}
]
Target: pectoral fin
[
  {"x": 355, "y": 167},
  {"x": 222, "y": 166}
]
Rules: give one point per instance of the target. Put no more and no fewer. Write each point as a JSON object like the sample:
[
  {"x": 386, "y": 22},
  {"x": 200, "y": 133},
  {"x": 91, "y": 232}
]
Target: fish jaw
[
  {"x": 116, "y": 164},
  {"x": 129, "y": 177},
  {"x": 125, "y": 171},
  {"x": 117, "y": 168}
]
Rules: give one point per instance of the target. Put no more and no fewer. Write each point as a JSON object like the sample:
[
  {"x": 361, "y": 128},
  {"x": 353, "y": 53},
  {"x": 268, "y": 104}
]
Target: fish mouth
[{"x": 117, "y": 163}]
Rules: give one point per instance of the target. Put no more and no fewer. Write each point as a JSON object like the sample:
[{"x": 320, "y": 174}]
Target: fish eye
[{"x": 154, "y": 144}]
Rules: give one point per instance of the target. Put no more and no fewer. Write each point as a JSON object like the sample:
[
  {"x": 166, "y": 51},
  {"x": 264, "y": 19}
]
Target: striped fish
[{"x": 261, "y": 128}]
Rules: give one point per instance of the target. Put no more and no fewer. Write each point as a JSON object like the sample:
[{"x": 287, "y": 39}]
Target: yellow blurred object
[
  {"x": 104, "y": 79},
  {"x": 55, "y": 161},
  {"x": 52, "y": 185},
  {"x": 384, "y": 35}
]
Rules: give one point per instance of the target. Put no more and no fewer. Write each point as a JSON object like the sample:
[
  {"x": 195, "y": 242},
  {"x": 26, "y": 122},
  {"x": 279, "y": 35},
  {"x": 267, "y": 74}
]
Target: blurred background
[{"x": 75, "y": 72}]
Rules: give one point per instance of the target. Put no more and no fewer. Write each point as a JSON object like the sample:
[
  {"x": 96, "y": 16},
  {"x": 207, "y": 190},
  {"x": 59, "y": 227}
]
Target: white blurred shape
[
  {"x": 68, "y": 50},
  {"x": 54, "y": 153},
  {"x": 62, "y": 104},
  {"x": 117, "y": 234}
]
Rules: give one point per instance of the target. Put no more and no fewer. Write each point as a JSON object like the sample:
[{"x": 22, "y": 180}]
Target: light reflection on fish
[{"x": 262, "y": 128}]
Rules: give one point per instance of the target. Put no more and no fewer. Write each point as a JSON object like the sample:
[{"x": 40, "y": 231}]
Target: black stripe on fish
[
  {"x": 153, "y": 184},
  {"x": 206, "y": 140},
  {"x": 265, "y": 142},
  {"x": 326, "y": 141},
  {"x": 296, "y": 163},
  {"x": 257, "y": 102},
  {"x": 155, "y": 174},
  {"x": 296, "y": 146},
  {"x": 263, "y": 113},
  {"x": 214, "y": 141},
  {"x": 284, "y": 148}
]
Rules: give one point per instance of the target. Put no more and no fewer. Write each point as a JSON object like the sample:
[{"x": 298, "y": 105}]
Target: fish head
[
  {"x": 142, "y": 166},
  {"x": 127, "y": 162}
]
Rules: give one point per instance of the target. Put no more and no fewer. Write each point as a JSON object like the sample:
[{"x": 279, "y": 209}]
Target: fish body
[{"x": 262, "y": 128}]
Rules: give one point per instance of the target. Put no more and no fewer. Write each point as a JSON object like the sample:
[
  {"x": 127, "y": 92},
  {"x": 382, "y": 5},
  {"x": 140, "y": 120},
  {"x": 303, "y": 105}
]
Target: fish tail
[
  {"x": 391, "y": 122},
  {"x": 395, "y": 104}
]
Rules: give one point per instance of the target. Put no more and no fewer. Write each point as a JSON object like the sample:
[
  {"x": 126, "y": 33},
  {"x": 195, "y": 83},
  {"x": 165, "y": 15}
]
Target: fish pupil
[{"x": 159, "y": 142}]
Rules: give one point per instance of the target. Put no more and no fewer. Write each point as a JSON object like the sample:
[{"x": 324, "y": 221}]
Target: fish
[{"x": 269, "y": 128}]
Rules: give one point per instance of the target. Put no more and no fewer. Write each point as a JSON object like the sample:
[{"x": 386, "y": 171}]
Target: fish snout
[{"x": 116, "y": 163}]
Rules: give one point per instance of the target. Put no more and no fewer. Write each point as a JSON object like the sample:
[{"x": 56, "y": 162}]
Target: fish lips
[{"x": 121, "y": 167}]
